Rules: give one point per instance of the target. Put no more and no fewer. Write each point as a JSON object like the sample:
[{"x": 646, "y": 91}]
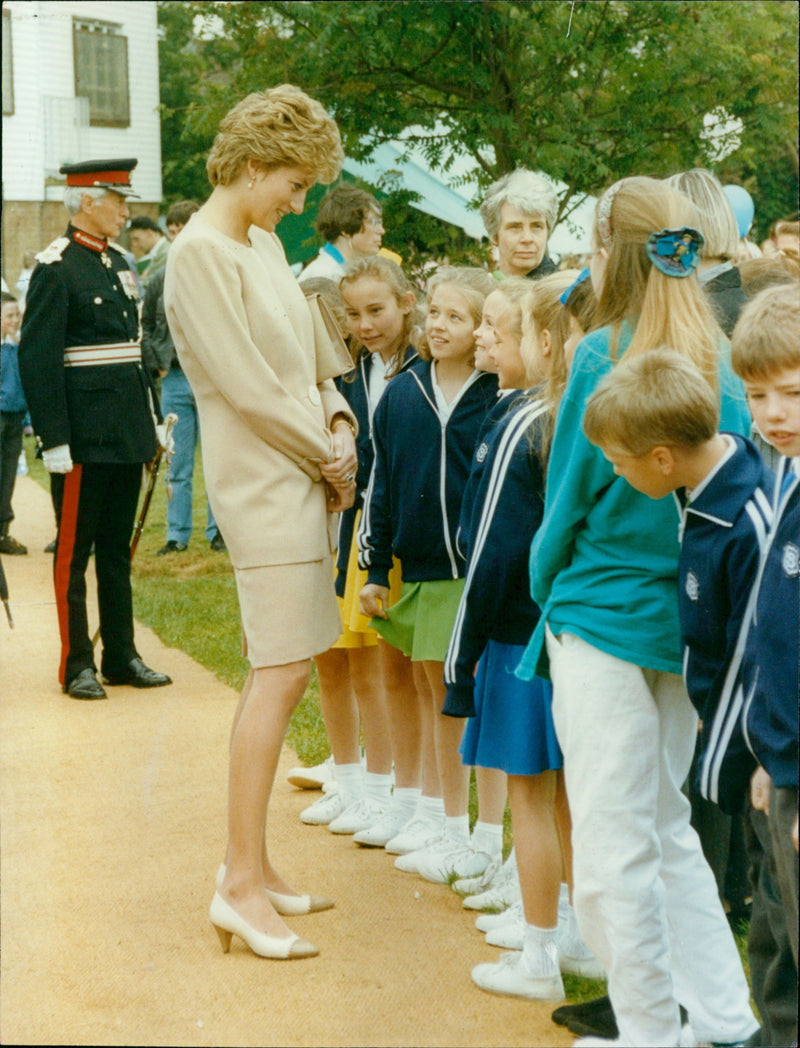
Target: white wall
[{"x": 43, "y": 67}]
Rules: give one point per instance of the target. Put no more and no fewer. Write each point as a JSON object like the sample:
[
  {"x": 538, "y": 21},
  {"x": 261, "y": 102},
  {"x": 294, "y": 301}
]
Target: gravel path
[{"x": 113, "y": 821}]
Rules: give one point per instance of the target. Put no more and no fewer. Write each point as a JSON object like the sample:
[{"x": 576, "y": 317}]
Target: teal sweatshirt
[{"x": 604, "y": 562}]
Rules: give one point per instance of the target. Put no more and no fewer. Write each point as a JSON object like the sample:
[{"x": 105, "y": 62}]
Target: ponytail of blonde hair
[{"x": 666, "y": 310}]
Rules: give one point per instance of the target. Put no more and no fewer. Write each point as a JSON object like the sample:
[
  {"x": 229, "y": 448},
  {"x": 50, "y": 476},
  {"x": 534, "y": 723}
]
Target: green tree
[{"x": 588, "y": 92}]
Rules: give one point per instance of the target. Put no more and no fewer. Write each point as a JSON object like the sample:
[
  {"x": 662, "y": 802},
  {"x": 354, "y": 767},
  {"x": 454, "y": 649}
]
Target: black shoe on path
[
  {"x": 11, "y": 547},
  {"x": 138, "y": 676},
  {"x": 85, "y": 685},
  {"x": 589, "y": 1019}
]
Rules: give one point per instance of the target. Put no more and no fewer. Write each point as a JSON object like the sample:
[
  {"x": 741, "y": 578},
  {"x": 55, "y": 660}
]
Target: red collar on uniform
[{"x": 87, "y": 240}]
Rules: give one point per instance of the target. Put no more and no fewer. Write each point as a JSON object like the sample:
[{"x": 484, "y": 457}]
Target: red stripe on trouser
[{"x": 66, "y": 546}]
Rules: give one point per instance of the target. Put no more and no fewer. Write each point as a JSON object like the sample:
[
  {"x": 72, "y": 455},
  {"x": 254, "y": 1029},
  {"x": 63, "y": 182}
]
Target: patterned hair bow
[{"x": 674, "y": 252}]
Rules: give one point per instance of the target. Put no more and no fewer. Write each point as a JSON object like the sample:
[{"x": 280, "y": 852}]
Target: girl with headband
[{"x": 603, "y": 570}]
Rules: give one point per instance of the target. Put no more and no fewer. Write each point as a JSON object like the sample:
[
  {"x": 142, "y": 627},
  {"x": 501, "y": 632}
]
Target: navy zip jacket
[
  {"x": 725, "y": 528},
  {"x": 421, "y": 465},
  {"x": 772, "y": 655},
  {"x": 509, "y": 501},
  {"x": 356, "y": 393},
  {"x": 504, "y": 404}
]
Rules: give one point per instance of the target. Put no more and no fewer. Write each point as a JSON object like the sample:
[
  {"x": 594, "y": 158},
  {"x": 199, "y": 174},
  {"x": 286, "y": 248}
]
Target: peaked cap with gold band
[{"x": 114, "y": 175}]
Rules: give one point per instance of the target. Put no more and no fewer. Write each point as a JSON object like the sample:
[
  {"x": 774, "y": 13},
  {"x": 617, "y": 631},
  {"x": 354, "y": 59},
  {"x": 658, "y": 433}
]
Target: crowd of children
[{"x": 524, "y": 595}]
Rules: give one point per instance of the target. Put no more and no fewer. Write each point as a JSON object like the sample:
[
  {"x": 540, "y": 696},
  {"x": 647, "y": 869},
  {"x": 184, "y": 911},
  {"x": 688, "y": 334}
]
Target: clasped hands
[{"x": 340, "y": 473}]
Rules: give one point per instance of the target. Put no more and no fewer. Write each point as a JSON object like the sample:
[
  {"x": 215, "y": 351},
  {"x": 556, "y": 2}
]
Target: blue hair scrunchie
[{"x": 674, "y": 252}]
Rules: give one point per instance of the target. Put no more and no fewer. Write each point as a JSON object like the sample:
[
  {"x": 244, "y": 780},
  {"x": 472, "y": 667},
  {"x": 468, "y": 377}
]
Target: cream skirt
[{"x": 289, "y": 611}]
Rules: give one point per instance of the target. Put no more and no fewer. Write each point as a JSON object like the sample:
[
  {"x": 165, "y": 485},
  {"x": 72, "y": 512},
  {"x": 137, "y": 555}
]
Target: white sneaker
[
  {"x": 473, "y": 885},
  {"x": 509, "y": 978},
  {"x": 357, "y": 816},
  {"x": 575, "y": 958},
  {"x": 487, "y": 922},
  {"x": 502, "y": 892},
  {"x": 574, "y": 955},
  {"x": 452, "y": 857},
  {"x": 384, "y": 829},
  {"x": 418, "y": 832},
  {"x": 509, "y": 936},
  {"x": 312, "y": 778},
  {"x": 408, "y": 862},
  {"x": 324, "y": 810}
]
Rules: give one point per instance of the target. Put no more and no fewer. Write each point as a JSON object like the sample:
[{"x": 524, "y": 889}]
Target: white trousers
[{"x": 645, "y": 899}]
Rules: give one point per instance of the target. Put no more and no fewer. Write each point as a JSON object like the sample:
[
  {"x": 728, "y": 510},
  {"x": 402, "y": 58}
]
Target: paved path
[{"x": 113, "y": 820}]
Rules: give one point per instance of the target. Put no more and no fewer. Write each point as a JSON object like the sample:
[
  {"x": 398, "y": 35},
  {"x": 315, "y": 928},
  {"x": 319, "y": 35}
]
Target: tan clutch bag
[{"x": 333, "y": 356}]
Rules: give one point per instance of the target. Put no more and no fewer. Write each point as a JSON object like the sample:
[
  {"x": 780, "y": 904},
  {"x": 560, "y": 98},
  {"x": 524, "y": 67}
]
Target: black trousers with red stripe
[{"x": 95, "y": 504}]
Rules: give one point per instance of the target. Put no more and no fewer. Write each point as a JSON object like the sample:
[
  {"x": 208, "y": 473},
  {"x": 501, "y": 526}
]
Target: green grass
[{"x": 189, "y": 600}]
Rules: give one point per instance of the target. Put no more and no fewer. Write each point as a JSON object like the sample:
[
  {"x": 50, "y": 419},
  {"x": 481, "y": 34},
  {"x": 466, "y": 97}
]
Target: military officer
[{"x": 93, "y": 407}]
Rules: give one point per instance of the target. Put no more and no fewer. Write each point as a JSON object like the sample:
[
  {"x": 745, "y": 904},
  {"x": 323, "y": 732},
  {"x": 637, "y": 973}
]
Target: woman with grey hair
[{"x": 519, "y": 213}]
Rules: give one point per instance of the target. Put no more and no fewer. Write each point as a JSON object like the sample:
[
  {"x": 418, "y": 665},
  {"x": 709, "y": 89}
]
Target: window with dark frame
[
  {"x": 100, "y": 53},
  {"x": 8, "y": 67}
]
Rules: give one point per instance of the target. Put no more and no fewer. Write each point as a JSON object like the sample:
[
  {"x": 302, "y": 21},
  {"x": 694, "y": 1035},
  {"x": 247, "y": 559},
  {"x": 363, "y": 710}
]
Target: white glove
[
  {"x": 165, "y": 440},
  {"x": 57, "y": 460},
  {"x": 164, "y": 433}
]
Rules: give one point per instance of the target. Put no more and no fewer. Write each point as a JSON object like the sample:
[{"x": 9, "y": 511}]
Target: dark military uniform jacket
[{"x": 83, "y": 297}]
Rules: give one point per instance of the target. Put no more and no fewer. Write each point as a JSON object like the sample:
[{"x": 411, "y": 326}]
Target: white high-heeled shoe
[
  {"x": 288, "y": 905},
  {"x": 227, "y": 923}
]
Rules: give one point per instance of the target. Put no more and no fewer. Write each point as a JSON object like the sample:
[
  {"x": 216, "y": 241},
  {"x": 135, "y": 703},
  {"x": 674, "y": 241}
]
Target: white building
[{"x": 80, "y": 82}]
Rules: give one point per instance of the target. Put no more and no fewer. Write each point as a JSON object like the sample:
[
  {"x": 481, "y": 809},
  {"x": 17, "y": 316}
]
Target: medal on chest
[{"x": 128, "y": 281}]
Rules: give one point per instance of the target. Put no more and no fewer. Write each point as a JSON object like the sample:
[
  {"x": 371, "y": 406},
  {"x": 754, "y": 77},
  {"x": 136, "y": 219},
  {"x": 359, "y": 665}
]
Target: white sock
[
  {"x": 405, "y": 800},
  {"x": 540, "y": 951},
  {"x": 350, "y": 781},
  {"x": 379, "y": 787},
  {"x": 564, "y": 908},
  {"x": 431, "y": 808},
  {"x": 457, "y": 827},
  {"x": 572, "y": 942},
  {"x": 488, "y": 837}
]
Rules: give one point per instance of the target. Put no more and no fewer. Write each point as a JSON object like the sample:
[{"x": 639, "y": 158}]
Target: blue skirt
[{"x": 513, "y": 724}]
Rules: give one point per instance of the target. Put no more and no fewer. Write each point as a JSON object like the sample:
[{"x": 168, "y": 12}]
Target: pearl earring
[{"x": 249, "y": 185}]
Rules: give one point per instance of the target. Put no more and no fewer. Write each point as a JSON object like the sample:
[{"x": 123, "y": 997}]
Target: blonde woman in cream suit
[{"x": 278, "y": 455}]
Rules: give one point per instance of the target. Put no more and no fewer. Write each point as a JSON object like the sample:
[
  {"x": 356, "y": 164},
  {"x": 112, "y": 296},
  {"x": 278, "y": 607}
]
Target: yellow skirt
[{"x": 357, "y": 631}]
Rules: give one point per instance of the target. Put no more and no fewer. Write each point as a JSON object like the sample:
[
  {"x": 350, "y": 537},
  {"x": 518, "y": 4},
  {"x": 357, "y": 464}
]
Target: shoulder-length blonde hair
[
  {"x": 281, "y": 127},
  {"x": 471, "y": 281},
  {"x": 383, "y": 269},
  {"x": 543, "y": 309},
  {"x": 667, "y": 311}
]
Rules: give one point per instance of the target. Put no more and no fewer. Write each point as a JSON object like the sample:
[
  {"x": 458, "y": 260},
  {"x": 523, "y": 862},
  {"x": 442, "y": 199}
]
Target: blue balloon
[{"x": 743, "y": 209}]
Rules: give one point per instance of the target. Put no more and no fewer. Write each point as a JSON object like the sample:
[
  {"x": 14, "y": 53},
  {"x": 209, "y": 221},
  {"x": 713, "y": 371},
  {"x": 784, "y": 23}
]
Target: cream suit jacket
[{"x": 243, "y": 333}]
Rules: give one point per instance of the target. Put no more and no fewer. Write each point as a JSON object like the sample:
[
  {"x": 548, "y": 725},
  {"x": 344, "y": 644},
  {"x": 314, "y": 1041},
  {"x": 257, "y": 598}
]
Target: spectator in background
[
  {"x": 28, "y": 262},
  {"x": 12, "y": 416},
  {"x": 150, "y": 247},
  {"x": 349, "y": 220},
  {"x": 158, "y": 353},
  {"x": 758, "y": 273},
  {"x": 716, "y": 272},
  {"x": 519, "y": 214},
  {"x": 787, "y": 239}
]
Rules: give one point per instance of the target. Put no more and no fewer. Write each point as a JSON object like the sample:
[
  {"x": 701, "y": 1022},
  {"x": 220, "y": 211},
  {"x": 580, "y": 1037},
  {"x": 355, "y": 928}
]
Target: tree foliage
[{"x": 587, "y": 91}]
